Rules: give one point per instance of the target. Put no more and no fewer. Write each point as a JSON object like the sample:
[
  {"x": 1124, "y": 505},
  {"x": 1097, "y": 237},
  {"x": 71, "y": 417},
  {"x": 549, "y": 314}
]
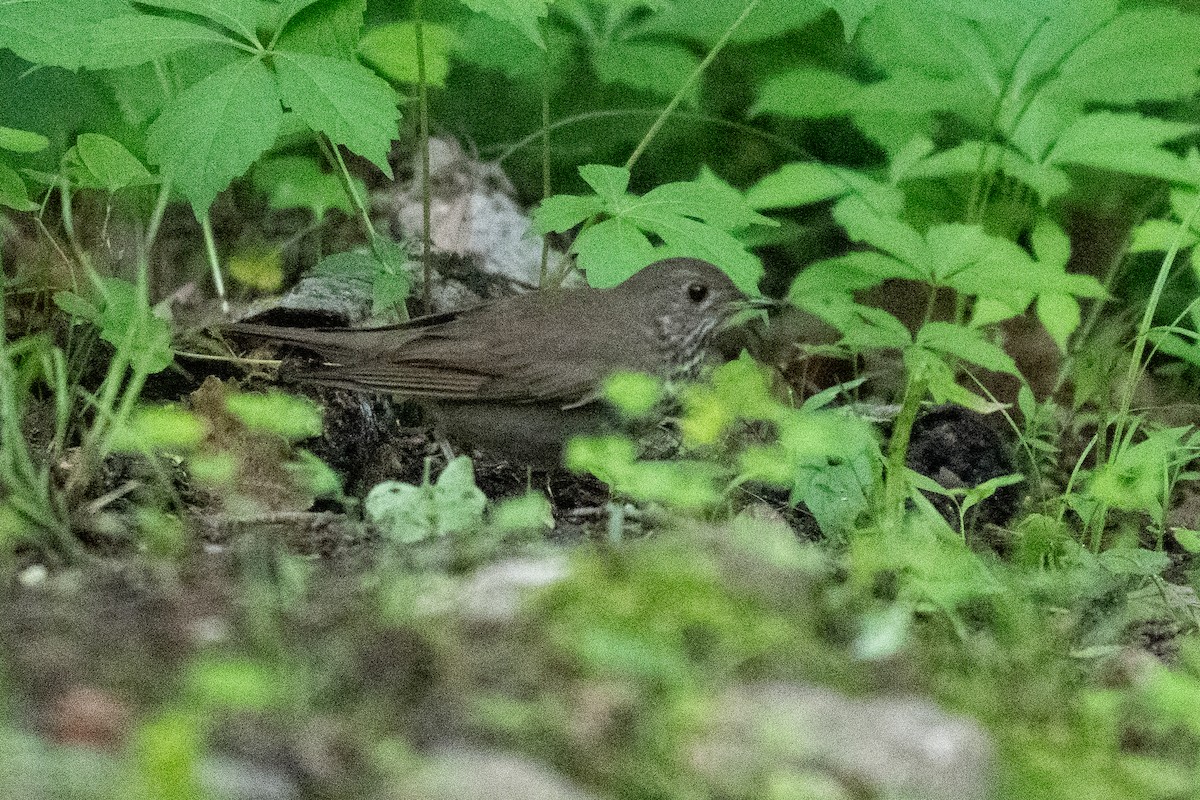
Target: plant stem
[
  {"x": 214, "y": 262},
  {"x": 895, "y": 488},
  {"x": 688, "y": 83},
  {"x": 423, "y": 121}
]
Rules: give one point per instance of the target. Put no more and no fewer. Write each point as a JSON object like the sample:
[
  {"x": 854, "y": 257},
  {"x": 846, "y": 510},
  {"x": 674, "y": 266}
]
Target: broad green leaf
[
  {"x": 708, "y": 21},
  {"x": 846, "y": 274},
  {"x": 132, "y": 39},
  {"x": 294, "y": 418},
  {"x": 238, "y": 16},
  {"x": 868, "y": 223},
  {"x": 807, "y": 93},
  {"x": 494, "y": 45},
  {"x": 611, "y": 251},
  {"x": 300, "y": 182},
  {"x": 564, "y": 211},
  {"x": 19, "y": 141},
  {"x": 1050, "y": 244},
  {"x": 392, "y": 51},
  {"x": 215, "y": 130},
  {"x": 967, "y": 344},
  {"x": 408, "y": 514},
  {"x": 711, "y": 201},
  {"x": 657, "y": 67},
  {"x": 391, "y": 283},
  {"x": 687, "y": 237},
  {"x": 343, "y": 100},
  {"x": 78, "y": 307},
  {"x": 1132, "y": 56},
  {"x": 524, "y": 15},
  {"x": 1161, "y": 234},
  {"x": 975, "y": 158},
  {"x": 13, "y": 193},
  {"x": 127, "y": 323},
  {"x": 633, "y": 394},
  {"x": 258, "y": 267},
  {"x": 1061, "y": 316},
  {"x": 53, "y": 32},
  {"x": 610, "y": 183},
  {"x": 529, "y": 512},
  {"x": 852, "y": 13},
  {"x": 329, "y": 28},
  {"x": 798, "y": 184},
  {"x": 1125, "y": 142},
  {"x": 98, "y": 162},
  {"x": 159, "y": 427},
  {"x": 233, "y": 682}
]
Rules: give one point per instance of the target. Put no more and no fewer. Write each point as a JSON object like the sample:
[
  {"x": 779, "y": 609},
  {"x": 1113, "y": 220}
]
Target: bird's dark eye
[{"x": 697, "y": 292}]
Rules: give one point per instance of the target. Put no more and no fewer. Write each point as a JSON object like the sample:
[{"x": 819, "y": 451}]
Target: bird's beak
[{"x": 746, "y": 309}]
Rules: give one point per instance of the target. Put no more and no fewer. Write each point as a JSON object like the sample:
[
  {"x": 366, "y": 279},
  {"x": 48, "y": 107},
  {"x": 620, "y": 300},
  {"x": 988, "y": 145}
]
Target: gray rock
[
  {"x": 895, "y": 747},
  {"x": 467, "y": 774}
]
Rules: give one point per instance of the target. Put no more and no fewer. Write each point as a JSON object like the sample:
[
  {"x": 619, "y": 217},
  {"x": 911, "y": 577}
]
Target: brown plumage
[{"x": 548, "y": 351}]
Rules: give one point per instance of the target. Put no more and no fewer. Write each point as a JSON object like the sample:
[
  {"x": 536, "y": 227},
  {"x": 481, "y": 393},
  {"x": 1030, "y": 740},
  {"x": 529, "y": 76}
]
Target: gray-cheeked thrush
[{"x": 517, "y": 377}]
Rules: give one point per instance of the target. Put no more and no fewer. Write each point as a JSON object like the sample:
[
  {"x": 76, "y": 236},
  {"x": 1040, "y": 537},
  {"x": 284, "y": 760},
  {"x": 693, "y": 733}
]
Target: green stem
[
  {"x": 895, "y": 488},
  {"x": 546, "y": 187},
  {"x": 687, "y": 84},
  {"x": 1139, "y": 344},
  {"x": 426, "y": 195},
  {"x": 214, "y": 261}
]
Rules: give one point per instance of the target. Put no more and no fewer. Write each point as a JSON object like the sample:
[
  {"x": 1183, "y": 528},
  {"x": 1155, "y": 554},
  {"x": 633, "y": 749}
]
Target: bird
[{"x": 519, "y": 376}]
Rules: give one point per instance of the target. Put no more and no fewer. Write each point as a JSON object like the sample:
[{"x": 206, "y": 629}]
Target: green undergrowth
[{"x": 985, "y": 213}]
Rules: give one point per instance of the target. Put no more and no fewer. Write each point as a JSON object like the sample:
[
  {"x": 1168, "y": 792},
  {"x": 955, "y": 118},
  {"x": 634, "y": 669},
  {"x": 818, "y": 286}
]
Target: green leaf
[
  {"x": 807, "y": 93},
  {"x": 493, "y": 45},
  {"x": 564, "y": 211},
  {"x": 391, "y": 283},
  {"x": 344, "y": 100},
  {"x": 22, "y": 141},
  {"x": 1131, "y": 56},
  {"x": 524, "y": 15},
  {"x": 300, "y": 182},
  {"x": 707, "y": 21},
  {"x": 1189, "y": 540},
  {"x": 12, "y": 190},
  {"x": 329, "y": 28},
  {"x": 1161, "y": 234},
  {"x": 1061, "y": 315},
  {"x": 657, "y": 67},
  {"x": 238, "y": 16},
  {"x": 235, "y": 683},
  {"x": 879, "y": 227},
  {"x": 529, "y": 512},
  {"x": 53, "y": 32},
  {"x": 1050, "y": 244},
  {"x": 127, "y": 323},
  {"x": 98, "y": 162},
  {"x": 633, "y": 394},
  {"x": 708, "y": 199},
  {"x": 978, "y": 158},
  {"x": 852, "y": 13},
  {"x": 293, "y": 418},
  {"x": 78, "y": 307},
  {"x": 611, "y": 251},
  {"x": 967, "y": 344},
  {"x": 805, "y": 182},
  {"x": 609, "y": 183},
  {"x": 215, "y": 130},
  {"x": 132, "y": 39},
  {"x": 409, "y": 514},
  {"x": 391, "y": 50},
  {"x": 1126, "y": 143},
  {"x": 159, "y": 427}
]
